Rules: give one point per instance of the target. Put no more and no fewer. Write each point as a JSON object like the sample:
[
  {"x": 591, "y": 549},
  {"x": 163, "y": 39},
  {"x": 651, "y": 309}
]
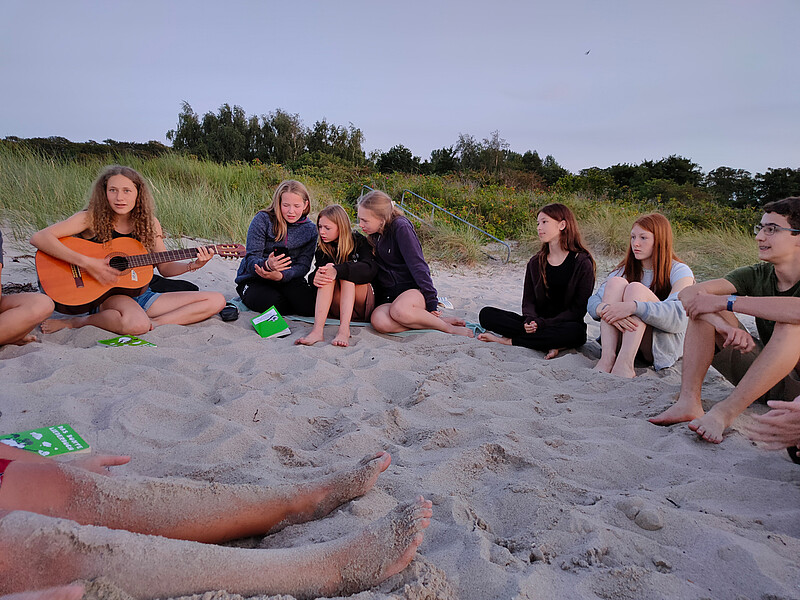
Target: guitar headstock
[{"x": 230, "y": 250}]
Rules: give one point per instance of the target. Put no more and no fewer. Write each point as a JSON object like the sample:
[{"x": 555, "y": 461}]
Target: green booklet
[
  {"x": 126, "y": 340},
  {"x": 270, "y": 323},
  {"x": 47, "y": 441}
]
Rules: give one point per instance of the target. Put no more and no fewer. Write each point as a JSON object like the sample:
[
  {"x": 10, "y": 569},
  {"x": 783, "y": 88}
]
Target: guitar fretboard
[{"x": 154, "y": 258}]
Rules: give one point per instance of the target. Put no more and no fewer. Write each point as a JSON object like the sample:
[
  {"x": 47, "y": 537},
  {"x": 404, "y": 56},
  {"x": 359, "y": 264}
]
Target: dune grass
[{"x": 204, "y": 199}]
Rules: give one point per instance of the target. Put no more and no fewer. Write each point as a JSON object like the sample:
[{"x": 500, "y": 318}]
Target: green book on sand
[
  {"x": 270, "y": 323},
  {"x": 47, "y": 441}
]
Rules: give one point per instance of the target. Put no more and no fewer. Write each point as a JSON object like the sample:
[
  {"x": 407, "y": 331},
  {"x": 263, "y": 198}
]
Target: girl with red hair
[{"x": 638, "y": 306}]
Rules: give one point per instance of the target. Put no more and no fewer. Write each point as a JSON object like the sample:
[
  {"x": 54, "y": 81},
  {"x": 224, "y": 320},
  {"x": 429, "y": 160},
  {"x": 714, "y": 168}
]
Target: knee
[
  {"x": 635, "y": 291},
  {"x": 217, "y": 302},
  {"x": 400, "y": 312},
  {"x": 39, "y": 306},
  {"x": 614, "y": 288},
  {"x": 137, "y": 324}
]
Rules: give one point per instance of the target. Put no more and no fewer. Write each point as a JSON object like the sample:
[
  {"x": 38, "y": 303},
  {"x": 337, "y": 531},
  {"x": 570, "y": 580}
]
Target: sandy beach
[{"x": 546, "y": 478}]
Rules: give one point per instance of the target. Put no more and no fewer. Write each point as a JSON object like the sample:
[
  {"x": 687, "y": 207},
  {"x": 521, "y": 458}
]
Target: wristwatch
[{"x": 731, "y": 299}]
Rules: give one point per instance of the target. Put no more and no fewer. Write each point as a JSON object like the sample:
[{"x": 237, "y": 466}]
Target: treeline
[
  {"x": 280, "y": 137},
  {"x": 64, "y": 149}
]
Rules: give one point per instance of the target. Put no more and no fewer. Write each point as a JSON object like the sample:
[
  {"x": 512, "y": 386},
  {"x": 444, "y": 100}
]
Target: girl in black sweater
[
  {"x": 345, "y": 268},
  {"x": 558, "y": 283}
]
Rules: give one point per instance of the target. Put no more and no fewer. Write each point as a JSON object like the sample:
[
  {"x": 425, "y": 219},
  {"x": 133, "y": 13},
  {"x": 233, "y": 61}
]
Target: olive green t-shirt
[{"x": 760, "y": 280}]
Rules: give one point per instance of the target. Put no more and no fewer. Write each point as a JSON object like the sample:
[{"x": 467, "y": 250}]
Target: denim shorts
[{"x": 146, "y": 299}]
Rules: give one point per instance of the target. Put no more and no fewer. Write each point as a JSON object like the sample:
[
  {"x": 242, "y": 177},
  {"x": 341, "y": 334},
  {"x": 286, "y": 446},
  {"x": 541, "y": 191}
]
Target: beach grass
[{"x": 203, "y": 199}]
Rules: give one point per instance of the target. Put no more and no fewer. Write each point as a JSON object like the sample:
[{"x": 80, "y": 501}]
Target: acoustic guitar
[{"x": 75, "y": 291}]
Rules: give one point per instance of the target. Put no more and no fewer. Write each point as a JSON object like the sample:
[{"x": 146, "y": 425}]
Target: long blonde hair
[
  {"x": 345, "y": 244},
  {"x": 382, "y": 206},
  {"x": 143, "y": 215},
  {"x": 279, "y": 225}
]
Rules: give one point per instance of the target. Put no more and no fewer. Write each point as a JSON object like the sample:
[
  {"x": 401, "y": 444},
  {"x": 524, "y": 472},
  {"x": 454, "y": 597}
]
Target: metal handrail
[{"x": 434, "y": 208}]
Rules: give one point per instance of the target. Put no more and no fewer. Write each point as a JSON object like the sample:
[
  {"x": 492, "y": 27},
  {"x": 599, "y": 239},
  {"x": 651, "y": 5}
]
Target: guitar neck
[{"x": 155, "y": 258}]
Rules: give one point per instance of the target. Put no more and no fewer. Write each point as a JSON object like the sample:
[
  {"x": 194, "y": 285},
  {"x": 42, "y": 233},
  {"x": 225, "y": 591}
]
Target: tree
[
  {"x": 398, "y": 159},
  {"x": 494, "y": 149},
  {"x": 777, "y": 184},
  {"x": 444, "y": 161},
  {"x": 469, "y": 152},
  {"x": 731, "y": 186},
  {"x": 551, "y": 171}
]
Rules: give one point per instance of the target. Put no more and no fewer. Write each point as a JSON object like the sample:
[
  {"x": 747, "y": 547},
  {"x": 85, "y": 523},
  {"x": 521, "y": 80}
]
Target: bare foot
[
  {"x": 62, "y": 592},
  {"x": 53, "y": 325},
  {"x": 454, "y": 321},
  {"x": 552, "y": 353},
  {"x": 605, "y": 365},
  {"x": 25, "y": 340},
  {"x": 490, "y": 337},
  {"x": 621, "y": 370},
  {"x": 710, "y": 426},
  {"x": 381, "y": 550},
  {"x": 465, "y": 331},
  {"x": 680, "y": 412},
  {"x": 319, "y": 498},
  {"x": 342, "y": 338},
  {"x": 311, "y": 339}
]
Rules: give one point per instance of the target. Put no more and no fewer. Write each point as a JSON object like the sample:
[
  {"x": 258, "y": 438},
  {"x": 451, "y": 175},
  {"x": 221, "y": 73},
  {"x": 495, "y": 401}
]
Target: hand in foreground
[
  {"x": 99, "y": 463},
  {"x": 780, "y": 427},
  {"x": 737, "y": 338},
  {"x": 531, "y": 327},
  {"x": 702, "y": 303},
  {"x": 620, "y": 315},
  {"x": 325, "y": 275}
]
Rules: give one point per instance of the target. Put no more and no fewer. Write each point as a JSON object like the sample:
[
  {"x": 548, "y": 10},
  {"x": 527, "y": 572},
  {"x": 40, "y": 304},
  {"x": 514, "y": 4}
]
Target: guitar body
[{"x": 74, "y": 291}]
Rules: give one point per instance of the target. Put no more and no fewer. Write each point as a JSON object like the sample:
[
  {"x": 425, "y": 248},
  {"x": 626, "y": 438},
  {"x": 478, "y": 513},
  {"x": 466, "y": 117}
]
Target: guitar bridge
[{"x": 77, "y": 276}]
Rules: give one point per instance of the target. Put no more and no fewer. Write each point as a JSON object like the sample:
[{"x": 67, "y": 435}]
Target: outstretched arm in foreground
[{"x": 42, "y": 551}]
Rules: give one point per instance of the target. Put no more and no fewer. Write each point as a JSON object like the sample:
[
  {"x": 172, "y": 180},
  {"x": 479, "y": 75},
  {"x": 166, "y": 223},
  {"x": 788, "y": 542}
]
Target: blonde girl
[
  {"x": 404, "y": 294},
  {"x": 280, "y": 247},
  {"x": 345, "y": 268}
]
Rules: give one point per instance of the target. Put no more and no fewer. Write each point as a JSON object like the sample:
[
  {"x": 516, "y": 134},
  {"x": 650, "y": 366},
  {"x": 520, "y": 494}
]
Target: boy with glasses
[{"x": 768, "y": 291}]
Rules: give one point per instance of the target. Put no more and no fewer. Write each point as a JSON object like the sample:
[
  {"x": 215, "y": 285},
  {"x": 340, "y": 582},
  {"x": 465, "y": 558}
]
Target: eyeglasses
[{"x": 770, "y": 229}]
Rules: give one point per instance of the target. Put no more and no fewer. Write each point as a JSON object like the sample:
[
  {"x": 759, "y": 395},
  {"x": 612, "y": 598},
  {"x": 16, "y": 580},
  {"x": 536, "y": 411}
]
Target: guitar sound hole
[{"x": 120, "y": 263}]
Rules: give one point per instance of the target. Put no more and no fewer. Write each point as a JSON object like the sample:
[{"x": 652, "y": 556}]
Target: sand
[{"x": 547, "y": 481}]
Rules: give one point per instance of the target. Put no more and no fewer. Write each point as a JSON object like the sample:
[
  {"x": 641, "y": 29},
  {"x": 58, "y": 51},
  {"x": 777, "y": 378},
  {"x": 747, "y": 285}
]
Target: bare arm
[
  {"x": 47, "y": 240},
  {"x": 97, "y": 463},
  {"x": 174, "y": 268}
]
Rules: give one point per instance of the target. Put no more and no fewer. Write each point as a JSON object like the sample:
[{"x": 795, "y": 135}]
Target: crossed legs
[
  {"x": 408, "y": 312},
  {"x": 121, "y": 314}
]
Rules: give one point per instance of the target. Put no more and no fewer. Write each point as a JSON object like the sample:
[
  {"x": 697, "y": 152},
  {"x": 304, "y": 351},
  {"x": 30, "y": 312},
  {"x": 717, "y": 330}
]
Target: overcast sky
[{"x": 717, "y": 82}]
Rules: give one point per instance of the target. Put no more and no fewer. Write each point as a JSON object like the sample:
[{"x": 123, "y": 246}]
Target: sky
[{"x": 591, "y": 83}]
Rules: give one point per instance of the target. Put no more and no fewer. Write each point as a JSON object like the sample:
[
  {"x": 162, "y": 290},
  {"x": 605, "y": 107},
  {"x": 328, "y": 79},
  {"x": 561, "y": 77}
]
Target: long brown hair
[
  {"x": 279, "y": 225},
  {"x": 382, "y": 206},
  {"x": 570, "y": 238},
  {"x": 143, "y": 215},
  {"x": 345, "y": 244},
  {"x": 663, "y": 255}
]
